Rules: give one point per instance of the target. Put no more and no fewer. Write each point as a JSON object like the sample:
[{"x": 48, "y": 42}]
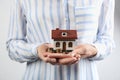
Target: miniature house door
[{"x": 64, "y": 46}]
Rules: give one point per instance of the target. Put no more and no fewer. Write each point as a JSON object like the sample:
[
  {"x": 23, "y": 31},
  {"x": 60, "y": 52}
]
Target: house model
[{"x": 64, "y": 40}]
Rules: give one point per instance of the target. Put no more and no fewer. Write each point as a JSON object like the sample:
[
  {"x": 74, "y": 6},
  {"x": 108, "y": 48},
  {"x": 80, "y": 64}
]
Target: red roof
[{"x": 64, "y": 34}]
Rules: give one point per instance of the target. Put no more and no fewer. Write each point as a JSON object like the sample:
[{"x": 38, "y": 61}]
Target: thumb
[{"x": 49, "y": 45}]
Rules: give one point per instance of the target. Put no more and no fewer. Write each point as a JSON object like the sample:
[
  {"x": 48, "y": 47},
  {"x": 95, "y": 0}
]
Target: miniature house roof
[{"x": 62, "y": 35}]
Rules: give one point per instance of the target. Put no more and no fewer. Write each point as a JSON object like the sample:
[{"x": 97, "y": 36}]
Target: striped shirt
[{"x": 31, "y": 22}]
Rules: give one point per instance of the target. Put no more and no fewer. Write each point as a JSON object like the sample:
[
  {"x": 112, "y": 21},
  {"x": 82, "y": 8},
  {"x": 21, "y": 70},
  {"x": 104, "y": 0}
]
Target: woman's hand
[
  {"x": 44, "y": 54},
  {"x": 85, "y": 50}
]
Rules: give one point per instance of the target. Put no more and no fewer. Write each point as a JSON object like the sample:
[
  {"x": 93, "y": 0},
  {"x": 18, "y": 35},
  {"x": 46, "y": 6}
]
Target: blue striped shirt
[{"x": 31, "y": 23}]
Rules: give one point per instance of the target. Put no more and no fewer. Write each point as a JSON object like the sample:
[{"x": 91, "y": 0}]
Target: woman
[{"x": 30, "y": 37}]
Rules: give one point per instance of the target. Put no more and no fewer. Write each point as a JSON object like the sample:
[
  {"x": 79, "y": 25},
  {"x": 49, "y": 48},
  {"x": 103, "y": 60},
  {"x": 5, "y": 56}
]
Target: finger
[
  {"x": 50, "y": 45},
  {"x": 87, "y": 54},
  {"x": 78, "y": 56},
  {"x": 75, "y": 55},
  {"x": 53, "y": 60},
  {"x": 53, "y": 63},
  {"x": 84, "y": 56},
  {"x": 47, "y": 54},
  {"x": 50, "y": 60},
  {"x": 44, "y": 47},
  {"x": 72, "y": 54},
  {"x": 76, "y": 47},
  {"x": 79, "y": 51},
  {"x": 74, "y": 62},
  {"x": 59, "y": 55},
  {"x": 66, "y": 61},
  {"x": 42, "y": 55}
]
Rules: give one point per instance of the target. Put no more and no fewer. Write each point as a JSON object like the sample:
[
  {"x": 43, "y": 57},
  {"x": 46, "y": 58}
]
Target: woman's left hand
[{"x": 85, "y": 50}]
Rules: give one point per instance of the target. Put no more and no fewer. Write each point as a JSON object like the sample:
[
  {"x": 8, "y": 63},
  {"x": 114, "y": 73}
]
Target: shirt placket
[
  {"x": 66, "y": 14},
  {"x": 68, "y": 9}
]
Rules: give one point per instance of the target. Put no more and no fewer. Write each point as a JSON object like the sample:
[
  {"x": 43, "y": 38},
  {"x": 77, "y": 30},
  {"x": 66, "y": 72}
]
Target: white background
[{"x": 109, "y": 69}]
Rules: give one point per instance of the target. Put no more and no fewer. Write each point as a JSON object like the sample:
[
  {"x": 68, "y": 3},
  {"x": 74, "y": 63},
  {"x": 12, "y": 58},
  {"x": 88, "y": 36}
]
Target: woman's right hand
[{"x": 44, "y": 54}]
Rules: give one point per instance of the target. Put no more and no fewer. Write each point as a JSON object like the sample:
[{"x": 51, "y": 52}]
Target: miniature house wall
[{"x": 64, "y": 40}]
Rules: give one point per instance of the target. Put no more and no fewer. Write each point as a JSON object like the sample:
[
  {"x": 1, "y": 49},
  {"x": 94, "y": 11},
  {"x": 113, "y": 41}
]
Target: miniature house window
[
  {"x": 64, "y": 34},
  {"x": 70, "y": 44},
  {"x": 57, "y": 44}
]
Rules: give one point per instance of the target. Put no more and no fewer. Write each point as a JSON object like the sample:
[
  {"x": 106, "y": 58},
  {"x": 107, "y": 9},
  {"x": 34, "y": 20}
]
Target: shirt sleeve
[
  {"x": 105, "y": 43},
  {"x": 18, "y": 47}
]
